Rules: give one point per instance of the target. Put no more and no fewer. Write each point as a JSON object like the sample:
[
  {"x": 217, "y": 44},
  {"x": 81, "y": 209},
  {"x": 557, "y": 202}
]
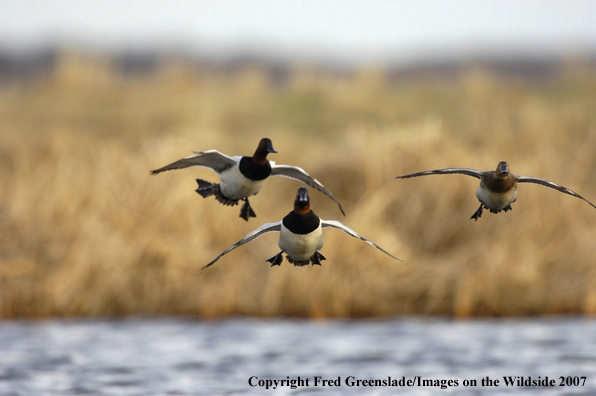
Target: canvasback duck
[
  {"x": 300, "y": 235},
  {"x": 498, "y": 188},
  {"x": 242, "y": 177}
]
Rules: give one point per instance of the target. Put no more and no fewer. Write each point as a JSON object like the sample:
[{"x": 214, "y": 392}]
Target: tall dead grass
[{"x": 85, "y": 230}]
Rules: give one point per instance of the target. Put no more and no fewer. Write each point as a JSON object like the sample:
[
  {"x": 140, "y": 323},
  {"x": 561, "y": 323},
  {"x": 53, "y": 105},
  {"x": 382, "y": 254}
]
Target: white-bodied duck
[
  {"x": 300, "y": 235},
  {"x": 242, "y": 177},
  {"x": 498, "y": 188}
]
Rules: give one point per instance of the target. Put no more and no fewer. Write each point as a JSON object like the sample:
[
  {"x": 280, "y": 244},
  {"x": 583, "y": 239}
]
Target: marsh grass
[{"x": 85, "y": 230}]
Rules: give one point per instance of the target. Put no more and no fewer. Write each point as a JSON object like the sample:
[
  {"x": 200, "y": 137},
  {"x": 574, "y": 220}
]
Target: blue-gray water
[{"x": 188, "y": 357}]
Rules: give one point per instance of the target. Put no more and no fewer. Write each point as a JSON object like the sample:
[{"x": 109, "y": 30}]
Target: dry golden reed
[{"x": 85, "y": 230}]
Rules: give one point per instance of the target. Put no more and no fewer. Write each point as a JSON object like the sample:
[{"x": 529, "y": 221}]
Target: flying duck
[
  {"x": 300, "y": 235},
  {"x": 242, "y": 177},
  {"x": 498, "y": 188}
]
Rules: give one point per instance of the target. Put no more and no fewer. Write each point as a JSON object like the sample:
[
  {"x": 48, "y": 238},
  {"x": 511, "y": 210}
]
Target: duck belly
[
  {"x": 234, "y": 185},
  {"x": 300, "y": 247},
  {"x": 494, "y": 200}
]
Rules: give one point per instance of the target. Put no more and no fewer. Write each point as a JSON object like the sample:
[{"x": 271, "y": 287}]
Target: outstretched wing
[
  {"x": 210, "y": 159},
  {"x": 269, "y": 227},
  {"x": 349, "y": 231},
  {"x": 547, "y": 183},
  {"x": 446, "y": 171},
  {"x": 296, "y": 173}
]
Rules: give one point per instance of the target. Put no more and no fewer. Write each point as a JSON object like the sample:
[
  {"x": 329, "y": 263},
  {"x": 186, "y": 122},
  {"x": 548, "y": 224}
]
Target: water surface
[{"x": 189, "y": 357}]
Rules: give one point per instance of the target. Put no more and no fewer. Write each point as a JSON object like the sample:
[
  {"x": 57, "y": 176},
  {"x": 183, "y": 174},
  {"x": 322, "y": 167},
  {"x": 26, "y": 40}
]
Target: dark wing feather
[
  {"x": 349, "y": 231},
  {"x": 446, "y": 171},
  {"x": 210, "y": 159},
  {"x": 296, "y": 173},
  {"x": 269, "y": 227},
  {"x": 547, "y": 183}
]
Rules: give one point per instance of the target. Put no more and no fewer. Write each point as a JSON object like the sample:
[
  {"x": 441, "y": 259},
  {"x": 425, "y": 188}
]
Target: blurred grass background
[{"x": 85, "y": 230}]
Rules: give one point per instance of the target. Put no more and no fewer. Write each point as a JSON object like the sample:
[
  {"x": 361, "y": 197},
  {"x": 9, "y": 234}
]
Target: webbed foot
[
  {"x": 276, "y": 260},
  {"x": 477, "y": 214},
  {"x": 246, "y": 211},
  {"x": 205, "y": 189},
  {"x": 317, "y": 258}
]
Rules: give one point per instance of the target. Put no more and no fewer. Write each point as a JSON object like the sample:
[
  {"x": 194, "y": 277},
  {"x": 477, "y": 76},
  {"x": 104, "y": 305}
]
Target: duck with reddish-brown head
[
  {"x": 498, "y": 188},
  {"x": 242, "y": 177},
  {"x": 300, "y": 235}
]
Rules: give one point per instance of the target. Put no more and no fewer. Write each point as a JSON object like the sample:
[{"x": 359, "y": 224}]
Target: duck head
[
  {"x": 302, "y": 202},
  {"x": 502, "y": 170},
  {"x": 265, "y": 147}
]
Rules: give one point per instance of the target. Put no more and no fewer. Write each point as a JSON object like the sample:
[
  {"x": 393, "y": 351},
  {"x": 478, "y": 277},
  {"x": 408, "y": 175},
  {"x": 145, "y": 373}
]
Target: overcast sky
[{"x": 341, "y": 28}]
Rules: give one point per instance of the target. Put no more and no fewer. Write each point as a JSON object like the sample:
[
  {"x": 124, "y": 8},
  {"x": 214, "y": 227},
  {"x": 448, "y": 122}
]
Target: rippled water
[{"x": 187, "y": 357}]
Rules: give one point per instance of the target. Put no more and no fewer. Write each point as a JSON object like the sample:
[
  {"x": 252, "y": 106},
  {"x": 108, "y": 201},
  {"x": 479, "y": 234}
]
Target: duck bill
[
  {"x": 270, "y": 148},
  {"x": 303, "y": 195}
]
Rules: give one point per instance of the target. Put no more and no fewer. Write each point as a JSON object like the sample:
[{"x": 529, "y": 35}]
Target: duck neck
[
  {"x": 260, "y": 156},
  {"x": 501, "y": 176},
  {"x": 301, "y": 208}
]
